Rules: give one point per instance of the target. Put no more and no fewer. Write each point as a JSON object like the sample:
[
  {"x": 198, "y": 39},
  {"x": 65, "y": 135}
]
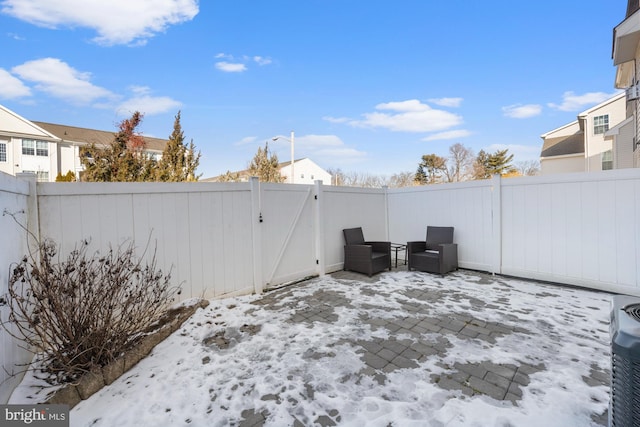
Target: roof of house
[
  {"x": 93, "y": 136},
  {"x": 617, "y": 97},
  {"x": 632, "y": 7},
  {"x": 563, "y": 145},
  {"x": 283, "y": 164}
]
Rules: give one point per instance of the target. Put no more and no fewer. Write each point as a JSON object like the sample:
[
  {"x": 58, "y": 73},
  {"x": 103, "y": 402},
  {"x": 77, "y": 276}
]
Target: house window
[
  {"x": 42, "y": 176},
  {"x": 31, "y": 147},
  {"x": 42, "y": 148},
  {"x": 600, "y": 124},
  {"x": 28, "y": 147},
  {"x": 607, "y": 160},
  {"x": 3, "y": 151}
]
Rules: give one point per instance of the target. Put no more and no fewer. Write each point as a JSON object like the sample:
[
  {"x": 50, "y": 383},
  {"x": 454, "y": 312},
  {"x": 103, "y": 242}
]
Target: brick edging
[{"x": 73, "y": 393}]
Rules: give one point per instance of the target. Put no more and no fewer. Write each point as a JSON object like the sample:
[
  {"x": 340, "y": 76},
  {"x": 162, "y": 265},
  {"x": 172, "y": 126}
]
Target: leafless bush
[{"x": 84, "y": 311}]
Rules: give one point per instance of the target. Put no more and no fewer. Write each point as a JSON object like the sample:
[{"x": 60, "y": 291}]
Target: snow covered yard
[{"x": 403, "y": 349}]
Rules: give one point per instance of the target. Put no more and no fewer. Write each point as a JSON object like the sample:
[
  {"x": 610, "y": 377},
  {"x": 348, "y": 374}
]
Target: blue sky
[{"x": 367, "y": 86}]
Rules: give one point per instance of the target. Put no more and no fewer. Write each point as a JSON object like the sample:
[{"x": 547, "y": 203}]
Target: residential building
[
  {"x": 306, "y": 172},
  {"x": 626, "y": 57},
  {"x": 49, "y": 149},
  {"x": 586, "y": 144},
  {"x": 26, "y": 147}
]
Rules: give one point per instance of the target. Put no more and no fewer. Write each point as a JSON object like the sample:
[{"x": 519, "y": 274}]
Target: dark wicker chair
[
  {"x": 438, "y": 254},
  {"x": 365, "y": 257}
]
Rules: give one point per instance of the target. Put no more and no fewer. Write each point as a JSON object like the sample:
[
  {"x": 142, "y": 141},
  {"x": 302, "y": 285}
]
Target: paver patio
[{"x": 401, "y": 348}]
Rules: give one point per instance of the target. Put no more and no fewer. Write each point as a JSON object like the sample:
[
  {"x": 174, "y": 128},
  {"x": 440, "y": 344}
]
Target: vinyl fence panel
[
  {"x": 288, "y": 232},
  {"x": 579, "y": 229},
  {"x": 201, "y": 232},
  {"x": 349, "y": 207},
  {"x": 14, "y": 200},
  {"x": 468, "y": 207}
]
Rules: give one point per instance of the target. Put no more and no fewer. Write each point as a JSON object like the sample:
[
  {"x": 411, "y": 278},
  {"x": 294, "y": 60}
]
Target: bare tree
[
  {"x": 459, "y": 164},
  {"x": 528, "y": 167},
  {"x": 368, "y": 180},
  {"x": 402, "y": 179}
]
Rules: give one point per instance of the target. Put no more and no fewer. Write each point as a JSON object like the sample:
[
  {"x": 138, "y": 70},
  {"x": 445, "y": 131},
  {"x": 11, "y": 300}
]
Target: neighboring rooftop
[
  {"x": 563, "y": 145},
  {"x": 93, "y": 136}
]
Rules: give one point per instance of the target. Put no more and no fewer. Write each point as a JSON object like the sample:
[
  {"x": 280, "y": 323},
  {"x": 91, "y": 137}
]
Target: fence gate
[{"x": 288, "y": 233}]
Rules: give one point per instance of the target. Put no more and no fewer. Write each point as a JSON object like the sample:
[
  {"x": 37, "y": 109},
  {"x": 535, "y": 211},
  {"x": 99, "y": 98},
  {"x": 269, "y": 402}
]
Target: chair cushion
[
  {"x": 426, "y": 254},
  {"x": 378, "y": 254}
]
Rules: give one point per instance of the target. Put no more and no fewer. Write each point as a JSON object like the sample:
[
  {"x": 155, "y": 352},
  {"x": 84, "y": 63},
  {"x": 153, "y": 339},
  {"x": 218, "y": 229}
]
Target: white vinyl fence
[
  {"x": 15, "y": 202},
  {"x": 473, "y": 208},
  {"x": 579, "y": 229},
  {"x": 217, "y": 239},
  {"x": 224, "y": 239}
]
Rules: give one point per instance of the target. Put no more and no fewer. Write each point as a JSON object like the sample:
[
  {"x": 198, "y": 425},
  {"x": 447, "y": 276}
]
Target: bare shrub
[{"x": 84, "y": 311}]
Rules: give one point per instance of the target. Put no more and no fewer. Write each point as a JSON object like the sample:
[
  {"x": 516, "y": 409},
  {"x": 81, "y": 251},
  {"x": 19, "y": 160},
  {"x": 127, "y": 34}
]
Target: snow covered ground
[{"x": 259, "y": 360}]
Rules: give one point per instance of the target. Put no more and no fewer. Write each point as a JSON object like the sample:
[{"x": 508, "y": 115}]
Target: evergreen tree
[
  {"x": 498, "y": 163},
  {"x": 192, "y": 161},
  {"x": 265, "y": 166},
  {"x": 124, "y": 160},
  {"x": 68, "y": 177},
  {"x": 178, "y": 162},
  {"x": 430, "y": 169},
  {"x": 230, "y": 177}
]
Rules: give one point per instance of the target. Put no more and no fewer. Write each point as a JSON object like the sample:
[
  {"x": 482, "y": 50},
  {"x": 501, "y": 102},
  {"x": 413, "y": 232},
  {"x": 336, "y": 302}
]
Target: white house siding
[
  {"x": 68, "y": 159},
  {"x": 623, "y": 145},
  {"x": 13, "y": 131},
  {"x": 562, "y": 164},
  {"x": 307, "y": 172},
  {"x": 594, "y": 144}
]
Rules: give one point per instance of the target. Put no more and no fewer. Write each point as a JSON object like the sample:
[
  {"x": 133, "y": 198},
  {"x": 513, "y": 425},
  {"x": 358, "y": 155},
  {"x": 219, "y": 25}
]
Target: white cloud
[
  {"x": 260, "y": 60},
  {"x": 328, "y": 150},
  {"x": 336, "y": 119},
  {"x": 408, "y": 116},
  {"x": 115, "y": 21},
  {"x": 143, "y": 101},
  {"x": 12, "y": 87},
  {"x": 15, "y": 36},
  {"x": 247, "y": 140},
  {"x": 446, "y": 102},
  {"x": 519, "y": 111},
  {"x": 451, "y": 134},
  {"x": 58, "y": 79},
  {"x": 573, "y": 102},
  {"x": 233, "y": 64},
  {"x": 230, "y": 67}
]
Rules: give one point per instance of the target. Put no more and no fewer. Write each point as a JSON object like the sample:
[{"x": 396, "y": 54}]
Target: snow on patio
[{"x": 407, "y": 349}]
